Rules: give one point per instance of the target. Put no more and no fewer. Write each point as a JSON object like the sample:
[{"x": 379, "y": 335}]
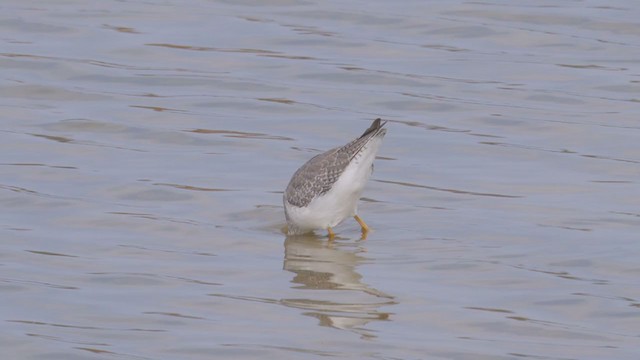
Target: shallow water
[{"x": 146, "y": 144}]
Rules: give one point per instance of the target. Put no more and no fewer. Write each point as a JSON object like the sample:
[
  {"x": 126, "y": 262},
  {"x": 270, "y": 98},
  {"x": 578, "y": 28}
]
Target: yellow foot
[
  {"x": 363, "y": 225},
  {"x": 332, "y": 235}
]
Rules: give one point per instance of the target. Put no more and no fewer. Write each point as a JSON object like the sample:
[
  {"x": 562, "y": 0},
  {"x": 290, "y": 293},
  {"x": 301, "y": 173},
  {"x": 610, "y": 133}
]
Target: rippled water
[{"x": 146, "y": 144}]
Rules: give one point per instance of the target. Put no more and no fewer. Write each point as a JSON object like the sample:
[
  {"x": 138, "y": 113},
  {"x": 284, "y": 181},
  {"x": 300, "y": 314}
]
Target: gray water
[{"x": 145, "y": 146}]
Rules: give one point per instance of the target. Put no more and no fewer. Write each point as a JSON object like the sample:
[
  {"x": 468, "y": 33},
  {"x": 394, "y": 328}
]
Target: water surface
[{"x": 146, "y": 144}]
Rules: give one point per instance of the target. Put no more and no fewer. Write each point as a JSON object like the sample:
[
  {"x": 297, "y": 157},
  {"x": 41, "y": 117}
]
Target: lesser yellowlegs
[{"x": 326, "y": 189}]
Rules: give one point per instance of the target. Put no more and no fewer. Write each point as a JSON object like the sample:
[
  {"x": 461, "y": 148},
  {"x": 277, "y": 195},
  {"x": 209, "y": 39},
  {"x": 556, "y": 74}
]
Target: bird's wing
[{"x": 316, "y": 177}]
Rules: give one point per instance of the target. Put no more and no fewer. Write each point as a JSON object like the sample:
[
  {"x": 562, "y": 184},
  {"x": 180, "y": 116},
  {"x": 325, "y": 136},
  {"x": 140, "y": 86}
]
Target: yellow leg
[
  {"x": 331, "y": 234},
  {"x": 363, "y": 225}
]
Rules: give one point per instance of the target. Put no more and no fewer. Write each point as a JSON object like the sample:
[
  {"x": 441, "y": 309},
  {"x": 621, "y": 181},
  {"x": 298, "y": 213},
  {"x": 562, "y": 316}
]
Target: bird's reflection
[{"x": 336, "y": 295}]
